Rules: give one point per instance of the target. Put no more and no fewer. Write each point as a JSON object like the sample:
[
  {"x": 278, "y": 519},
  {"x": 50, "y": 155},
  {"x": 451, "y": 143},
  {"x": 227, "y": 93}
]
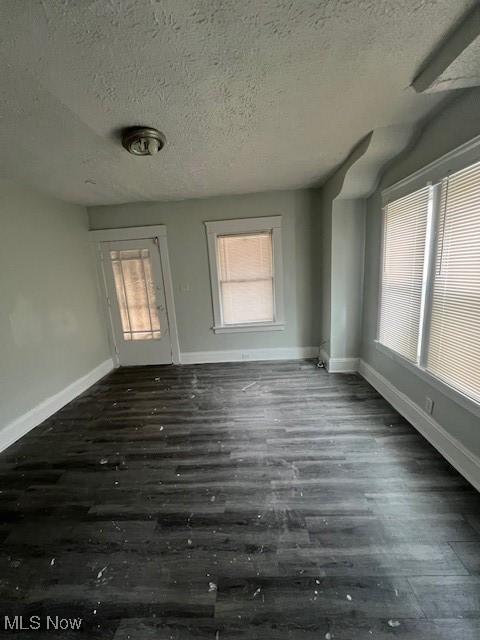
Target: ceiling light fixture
[{"x": 143, "y": 141}]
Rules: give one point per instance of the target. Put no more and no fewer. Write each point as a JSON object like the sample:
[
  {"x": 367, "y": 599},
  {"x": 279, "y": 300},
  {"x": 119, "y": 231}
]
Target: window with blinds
[
  {"x": 454, "y": 332},
  {"x": 402, "y": 291},
  {"x": 429, "y": 308},
  {"x": 245, "y": 273}
]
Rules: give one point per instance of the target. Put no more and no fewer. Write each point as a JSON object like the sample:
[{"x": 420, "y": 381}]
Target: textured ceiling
[
  {"x": 252, "y": 95},
  {"x": 463, "y": 72},
  {"x": 455, "y": 62}
]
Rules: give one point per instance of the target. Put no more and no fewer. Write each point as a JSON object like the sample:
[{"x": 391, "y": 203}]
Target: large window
[
  {"x": 245, "y": 269},
  {"x": 405, "y": 231},
  {"x": 430, "y": 284},
  {"x": 454, "y": 343}
]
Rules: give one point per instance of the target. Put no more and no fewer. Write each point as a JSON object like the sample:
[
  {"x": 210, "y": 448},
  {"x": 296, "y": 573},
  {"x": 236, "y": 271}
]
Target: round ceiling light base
[{"x": 143, "y": 141}]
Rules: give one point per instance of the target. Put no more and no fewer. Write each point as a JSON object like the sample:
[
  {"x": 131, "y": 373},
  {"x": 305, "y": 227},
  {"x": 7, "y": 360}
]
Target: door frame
[{"x": 158, "y": 233}]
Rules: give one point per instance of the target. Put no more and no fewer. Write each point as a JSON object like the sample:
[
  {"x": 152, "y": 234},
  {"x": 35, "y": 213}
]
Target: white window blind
[
  {"x": 245, "y": 270},
  {"x": 454, "y": 342},
  {"x": 405, "y": 230}
]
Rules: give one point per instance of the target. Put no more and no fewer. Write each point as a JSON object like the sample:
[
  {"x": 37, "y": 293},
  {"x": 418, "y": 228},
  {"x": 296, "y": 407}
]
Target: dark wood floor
[{"x": 235, "y": 501}]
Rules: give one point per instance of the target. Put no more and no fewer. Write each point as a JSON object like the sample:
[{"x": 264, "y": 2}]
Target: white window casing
[{"x": 246, "y": 274}]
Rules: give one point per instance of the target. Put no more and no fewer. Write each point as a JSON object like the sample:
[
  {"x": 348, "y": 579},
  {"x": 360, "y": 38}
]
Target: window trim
[
  {"x": 272, "y": 224},
  {"x": 431, "y": 175},
  {"x": 453, "y": 393},
  {"x": 451, "y": 162}
]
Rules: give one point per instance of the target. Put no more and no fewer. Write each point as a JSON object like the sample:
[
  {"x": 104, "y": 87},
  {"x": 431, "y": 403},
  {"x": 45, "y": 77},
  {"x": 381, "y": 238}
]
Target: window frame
[
  {"x": 423, "y": 311},
  {"x": 431, "y": 175},
  {"x": 270, "y": 224}
]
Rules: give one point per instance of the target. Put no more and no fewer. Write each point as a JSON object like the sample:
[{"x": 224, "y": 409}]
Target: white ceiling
[{"x": 252, "y": 95}]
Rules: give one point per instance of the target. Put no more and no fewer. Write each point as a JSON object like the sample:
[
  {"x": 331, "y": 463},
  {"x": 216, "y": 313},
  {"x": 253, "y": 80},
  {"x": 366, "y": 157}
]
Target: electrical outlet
[
  {"x": 245, "y": 356},
  {"x": 429, "y": 405}
]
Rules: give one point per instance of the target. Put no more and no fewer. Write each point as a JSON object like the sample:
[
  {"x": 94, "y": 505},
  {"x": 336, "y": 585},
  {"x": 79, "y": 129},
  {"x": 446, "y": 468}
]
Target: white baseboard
[
  {"x": 343, "y": 365},
  {"x": 464, "y": 461},
  {"x": 245, "y": 355},
  {"x": 24, "y": 423},
  {"x": 339, "y": 365}
]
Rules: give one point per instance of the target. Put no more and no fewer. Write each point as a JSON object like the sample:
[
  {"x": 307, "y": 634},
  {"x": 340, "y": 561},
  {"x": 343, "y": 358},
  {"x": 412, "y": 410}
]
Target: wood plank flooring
[{"x": 237, "y": 501}]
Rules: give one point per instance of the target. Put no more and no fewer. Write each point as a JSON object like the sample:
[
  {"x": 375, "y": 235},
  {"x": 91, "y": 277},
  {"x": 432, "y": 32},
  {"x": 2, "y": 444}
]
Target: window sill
[
  {"x": 244, "y": 328},
  {"x": 457, "y": 396}
]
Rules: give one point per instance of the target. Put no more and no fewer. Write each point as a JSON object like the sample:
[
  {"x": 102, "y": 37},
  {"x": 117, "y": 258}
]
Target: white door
[{"x": 136, "y": 300}]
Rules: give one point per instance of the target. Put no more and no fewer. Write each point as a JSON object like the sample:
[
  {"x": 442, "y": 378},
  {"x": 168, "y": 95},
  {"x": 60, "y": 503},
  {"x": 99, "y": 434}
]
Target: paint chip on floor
[
  {"x": 393, "y": 623},
  {"x": 101, "y": 572}
]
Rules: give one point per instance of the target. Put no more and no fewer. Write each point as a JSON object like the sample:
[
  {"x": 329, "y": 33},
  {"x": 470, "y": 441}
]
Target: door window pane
[{"x": 132, "y": 270}]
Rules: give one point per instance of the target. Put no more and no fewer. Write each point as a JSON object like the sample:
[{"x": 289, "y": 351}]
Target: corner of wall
[{"x": 343, "y": 239}]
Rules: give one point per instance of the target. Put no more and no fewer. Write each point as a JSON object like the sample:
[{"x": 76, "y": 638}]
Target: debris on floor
[
  {"x": 101, "y": 572},
  {"x": 393, "y": 623}
]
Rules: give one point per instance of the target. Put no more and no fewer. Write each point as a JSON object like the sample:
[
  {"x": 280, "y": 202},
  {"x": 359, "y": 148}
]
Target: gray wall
[
  {"x": 51, "y": 329},
  {"x": 347, "y": 260},
  {"x": 187, "y": 246},
  {"x": 342, "y": 231},
  {"x": 458, "y": 123},
  {"x": 325, "y": 243}
]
